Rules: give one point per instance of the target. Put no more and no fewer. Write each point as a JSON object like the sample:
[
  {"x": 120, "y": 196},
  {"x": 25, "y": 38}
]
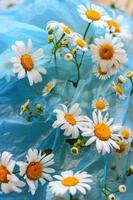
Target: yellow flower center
[
  {"x": 34, "y": 170},
  {"x": 119, "y": 89},
  {"x": 115, "y": 25},
  {"x": 102, "y": 131},
  {"x": 27, "y": 62},
  {"x": 3, "y": 174},
  {"x": 70, "y": 119},
  {"x": 70, "y": 181},
  {"x": 122, "y": 148},
  {"x": 100, "y": 105},
  {"x": 66, "y": 30},
  {"x": 101, "y": 71},
  {"x": 93, "y": 15},
  {"x": 80, "y": 42},
  {"x": 106, "y": 51},
  {"x": 125, "y": 133}
]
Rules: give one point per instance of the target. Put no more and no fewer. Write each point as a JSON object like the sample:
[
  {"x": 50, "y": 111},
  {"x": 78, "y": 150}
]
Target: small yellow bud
[
  {"x": 121, "y": 79},
  {"x": 74, "y": 51},
  {"x": 75, "y": 150},
  {"x": 50, "y": 39},
  {"x": 129, "y": 74}
]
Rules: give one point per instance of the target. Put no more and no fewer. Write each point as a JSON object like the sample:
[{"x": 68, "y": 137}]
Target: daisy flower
[
  {"x": 123, "y": 148},
  {"x": 100, "y": 104},
  {"x": 68, "y": 57},
  {"x": 49, "y": 87},
  {"x": 102, "y": 74},
  {"x": 112, "y": 197},
  {"x": 79, "y": 42},
  {"x": 119, "y": 90},
  {"x": 122, "y": 188},
  {"x": 102, "y": 131},
  {"x": 36, "y": 169},
  {"x": 61, "y": 28},
  {"x": 94, "y": 14},
  {"x": 117, "y": 28},
  {"x": 24, "y": 63},
  {"x": 71, "y": 121},
  {"x": 70, "y": 182},
  {"x": 9, "y": 181},
  {"x": 108, "y": 52},
  {"x": 126, "y": 134}
]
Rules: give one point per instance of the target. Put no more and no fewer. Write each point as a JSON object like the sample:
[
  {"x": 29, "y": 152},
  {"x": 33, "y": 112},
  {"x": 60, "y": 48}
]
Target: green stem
[
  {"x": 56, "y": 45},
  {"x": 86, "y": 31},
  {"x": 132, "y": 86}
]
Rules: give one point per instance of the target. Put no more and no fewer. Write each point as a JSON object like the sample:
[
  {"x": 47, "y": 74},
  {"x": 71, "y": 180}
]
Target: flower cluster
[
  {"x": 108, "y": 57},
  {"x": 37, "y": 169}
]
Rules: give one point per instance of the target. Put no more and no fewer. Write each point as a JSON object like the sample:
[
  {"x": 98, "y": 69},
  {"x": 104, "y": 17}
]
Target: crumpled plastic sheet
[{"x": 28, "y": 20}]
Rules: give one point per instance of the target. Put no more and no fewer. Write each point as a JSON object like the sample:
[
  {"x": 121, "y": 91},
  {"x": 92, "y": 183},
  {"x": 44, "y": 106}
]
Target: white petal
[{"x": 38, "y": 54}]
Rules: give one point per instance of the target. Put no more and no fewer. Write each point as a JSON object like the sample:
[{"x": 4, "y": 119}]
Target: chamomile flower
[
  {"x": 24, "y": 62},
  {"x": 68, "y": 57},
  {"x": 123, "y": 148},
  {"x": 102, "y": 74},
  {"x": 112, "y": 197},
  {"x": 49, "y": 87},
  {"x": 119, "y": 90},
  {"x": 60, "y": 28},
  {"x": 126, "y": 134},
  {"x": 94, "y": 14},
  {"x": 102, "y": 131},
  {"x": 79, "y": 42},
  {"x": 36, "y": 169},
  {"x": 118, "y": 28},
  {"x": 100, "y": 104},
  {"x": 71, "y": 121},
  {"x": 122, "y": 188},
  {"x": 108, "y": 52},
  {"x": 8, "y": 180},
  {"x": 68, "y": 182}
]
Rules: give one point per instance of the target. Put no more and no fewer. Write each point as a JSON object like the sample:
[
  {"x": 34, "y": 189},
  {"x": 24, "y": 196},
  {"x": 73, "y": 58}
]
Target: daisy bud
[
  {"x": 129, "y": 74},
  {"x": 121, "y": 79},
  {"x": 39, "y": 107},
  {"x": 68, "y": 57},
  {"x": 50, "y": 38},
  {"x": 65, "y": 42},
  {"x": 50, "y": 31},
  {"x": 122, "y": 188},
  {"x": 75, "y": 150},
  {"x": 74, "y": 51},
  {"x": 130, "y": 170},
  {"x": 111, "y": 197}
]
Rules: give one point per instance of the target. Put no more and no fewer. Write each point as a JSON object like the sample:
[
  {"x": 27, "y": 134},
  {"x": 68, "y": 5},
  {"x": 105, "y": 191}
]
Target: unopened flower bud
[
  {"x": 75, "y": 150},
  {"x": 121, "y": 79},
  {"x": 122, "y": 188},
  {"x": 129, "y": 74}
]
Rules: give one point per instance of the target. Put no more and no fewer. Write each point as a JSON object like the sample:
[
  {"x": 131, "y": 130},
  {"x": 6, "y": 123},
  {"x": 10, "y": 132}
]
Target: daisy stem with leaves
[
  {"x": 57, "y": 46},
  {"x": 78, "y": 65}
]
